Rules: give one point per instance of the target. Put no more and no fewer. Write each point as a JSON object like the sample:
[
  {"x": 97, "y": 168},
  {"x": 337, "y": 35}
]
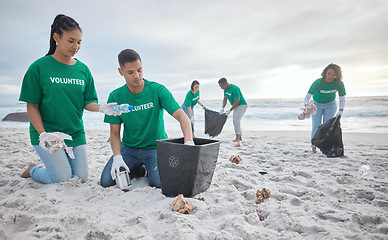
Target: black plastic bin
[{"x": 185, "y": 169}]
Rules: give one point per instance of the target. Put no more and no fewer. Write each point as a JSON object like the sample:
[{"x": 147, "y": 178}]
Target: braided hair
[{"x": 61, "y": 23}]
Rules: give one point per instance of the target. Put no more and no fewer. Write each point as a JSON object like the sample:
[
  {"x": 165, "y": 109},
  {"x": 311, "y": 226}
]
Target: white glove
[
  {"x": 227, "y": 113},
  {"x": 116, "y": 164},
  {"x": 191, "y": 143},
  {"x": 108, "y": 109},
  {"x": 192, "y": 119},
  {"x": 222, "y": 110},
  {"x": 54, "y": 141},
  {"x": 46, "y": 140}
]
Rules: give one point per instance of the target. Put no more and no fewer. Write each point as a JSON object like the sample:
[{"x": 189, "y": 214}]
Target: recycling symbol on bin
[{"x": 174, "y": 161}]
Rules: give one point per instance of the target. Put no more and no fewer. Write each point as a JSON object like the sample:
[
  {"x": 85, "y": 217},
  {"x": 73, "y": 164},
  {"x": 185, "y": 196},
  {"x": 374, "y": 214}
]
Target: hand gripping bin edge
[{"x": 185, "y": 169}]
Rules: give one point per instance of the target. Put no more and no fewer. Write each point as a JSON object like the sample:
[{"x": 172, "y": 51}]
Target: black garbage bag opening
[
  {"x": 328, "y": 138},
  {"x": 214, "y": 122},
  {"x": 186, "y": 169}
]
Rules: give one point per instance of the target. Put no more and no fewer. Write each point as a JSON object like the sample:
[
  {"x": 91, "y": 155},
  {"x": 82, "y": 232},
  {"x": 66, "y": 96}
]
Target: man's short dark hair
[
  {"x": 128, "y": 55},
  {"x": 222, "y": 80}
]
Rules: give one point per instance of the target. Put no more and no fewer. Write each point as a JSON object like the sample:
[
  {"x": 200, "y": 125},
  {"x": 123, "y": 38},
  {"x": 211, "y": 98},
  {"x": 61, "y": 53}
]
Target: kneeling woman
[{"x": 55, "y": 105}]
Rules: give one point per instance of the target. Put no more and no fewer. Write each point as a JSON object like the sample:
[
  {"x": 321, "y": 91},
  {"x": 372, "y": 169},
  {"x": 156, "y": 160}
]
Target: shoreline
[{"x": 346, "y": 136}]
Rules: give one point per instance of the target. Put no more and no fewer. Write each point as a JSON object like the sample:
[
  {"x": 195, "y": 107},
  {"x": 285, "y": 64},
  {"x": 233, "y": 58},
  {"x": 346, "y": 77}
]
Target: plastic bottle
[
  {"x": 123, "y": 108},
  {"x": 364, "y": 170}
]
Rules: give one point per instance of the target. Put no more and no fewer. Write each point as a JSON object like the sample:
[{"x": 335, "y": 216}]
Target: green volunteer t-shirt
[
  {"x": 144, "y": 124},
  {"x": 191, "y": 99},
  {"x": 234, "y": 93},
  {"x": 62, "y": 91},
  {"x": 325, "y": 93}
]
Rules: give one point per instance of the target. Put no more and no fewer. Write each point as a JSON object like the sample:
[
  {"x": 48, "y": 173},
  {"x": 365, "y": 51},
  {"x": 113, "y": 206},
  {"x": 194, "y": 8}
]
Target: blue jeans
[
  {"x": 186, "y": 110},
  {"x": 59, "y": 167},
  {"x": 325, "y": 110},
  {"x": 134, "y": 157}
]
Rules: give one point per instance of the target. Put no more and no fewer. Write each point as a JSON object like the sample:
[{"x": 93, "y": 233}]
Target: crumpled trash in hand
[
  {"x": 182, "y": 205},
  {"x": 54, "y": 141},
  {"x": 309, "y": 109}
]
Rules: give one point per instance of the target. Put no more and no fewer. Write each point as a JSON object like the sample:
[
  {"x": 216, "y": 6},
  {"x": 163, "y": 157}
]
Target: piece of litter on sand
[
  {"x": 258, "y": 211},
  {"x": 262, "y": 173}
]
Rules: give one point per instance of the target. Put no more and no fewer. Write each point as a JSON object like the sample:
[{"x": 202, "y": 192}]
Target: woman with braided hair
[{"x": 57, "y": 88}]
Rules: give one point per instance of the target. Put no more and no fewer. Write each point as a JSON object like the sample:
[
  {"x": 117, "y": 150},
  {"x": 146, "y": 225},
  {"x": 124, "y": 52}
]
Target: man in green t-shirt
[
  {"x": 239, "y": 105},
  {"x": 143, "y": 125}
]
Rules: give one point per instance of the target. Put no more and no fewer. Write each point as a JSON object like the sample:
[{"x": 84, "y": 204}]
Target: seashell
[
  {"x": 259, "y": 193},
  {"x": 259, "y": 199},
  {"x": 235, "y": 159},
  {"x": 266, "y": 193},
  {"x": 263, "y": 194},
  {"x": 181, "y": 205}
]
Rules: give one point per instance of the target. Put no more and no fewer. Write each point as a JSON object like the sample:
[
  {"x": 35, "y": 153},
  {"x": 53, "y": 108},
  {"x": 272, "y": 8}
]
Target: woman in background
[
  {"x": 57, "y": 88},
  {"x": 192, "y": 98},
  {"x": 324, "y": 92}
]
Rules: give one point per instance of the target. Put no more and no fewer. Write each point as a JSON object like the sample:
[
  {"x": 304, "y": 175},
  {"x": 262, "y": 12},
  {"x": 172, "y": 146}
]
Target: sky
[{"x": 270, "y": 49}]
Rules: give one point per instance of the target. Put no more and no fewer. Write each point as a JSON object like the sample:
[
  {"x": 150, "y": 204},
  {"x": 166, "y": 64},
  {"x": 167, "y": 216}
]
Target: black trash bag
[
  {"x": 328, "y": 138},
  {"x": 214, "y": 122}
]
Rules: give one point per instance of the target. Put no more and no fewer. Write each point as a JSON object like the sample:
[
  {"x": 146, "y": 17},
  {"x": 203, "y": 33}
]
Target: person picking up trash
[
  {"x": 143, "y": 124},
  {"x": 323, "y": 91},
  {"x": 239, "y": 105},
  {"x": 192, "y": 98}
]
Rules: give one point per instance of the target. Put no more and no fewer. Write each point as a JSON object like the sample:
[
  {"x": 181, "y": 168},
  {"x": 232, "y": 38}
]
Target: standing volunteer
[
  {"x": 324, "y": 92},
  {"x": 57, "y": 88},
  {"x": 143, "y": 125},
  {"x": 192, "y": 98},
  {"x": 239, "y": 105}
]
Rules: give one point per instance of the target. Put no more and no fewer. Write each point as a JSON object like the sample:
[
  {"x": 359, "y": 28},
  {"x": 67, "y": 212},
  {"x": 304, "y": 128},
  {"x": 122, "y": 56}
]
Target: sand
[{"x": 313, "y": 197}]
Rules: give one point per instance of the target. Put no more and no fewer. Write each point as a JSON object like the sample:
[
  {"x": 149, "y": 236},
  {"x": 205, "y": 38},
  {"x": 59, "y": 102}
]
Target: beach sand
[{"x": 313, "y": 197}]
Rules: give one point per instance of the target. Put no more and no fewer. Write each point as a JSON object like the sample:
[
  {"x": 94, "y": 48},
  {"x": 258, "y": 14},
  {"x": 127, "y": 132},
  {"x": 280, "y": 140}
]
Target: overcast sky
[{"x": 270, "y": 49}]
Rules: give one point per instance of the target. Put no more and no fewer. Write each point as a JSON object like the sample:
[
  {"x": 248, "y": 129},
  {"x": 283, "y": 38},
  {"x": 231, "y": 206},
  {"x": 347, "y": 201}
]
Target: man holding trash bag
[{"x": 239, "y": 105}]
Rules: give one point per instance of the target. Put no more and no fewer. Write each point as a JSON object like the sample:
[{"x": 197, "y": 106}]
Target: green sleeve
[
  {"x": 341, "y": 90},
  {"x": 90, "y": 94},
  {"x": 31, "y": 91},
  {"x": 236, "y": 93},
  {"x": 187, "y": 101},
  {"x": 315, "y": 86},
  {"x": 167, "y": 101}
]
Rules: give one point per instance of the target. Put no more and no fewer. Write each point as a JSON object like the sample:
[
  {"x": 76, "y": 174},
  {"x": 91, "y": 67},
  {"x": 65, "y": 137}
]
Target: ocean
[{"x": 362, "y": 114}]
